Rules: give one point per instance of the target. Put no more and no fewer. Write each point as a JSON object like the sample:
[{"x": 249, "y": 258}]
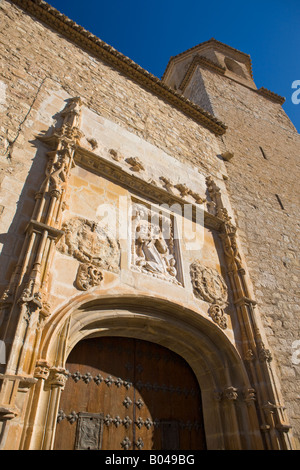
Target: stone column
[
  {"x": 56, "y": 383},
  {"x": 256, "y": 356},
  {"x": 24, "y": 305}
]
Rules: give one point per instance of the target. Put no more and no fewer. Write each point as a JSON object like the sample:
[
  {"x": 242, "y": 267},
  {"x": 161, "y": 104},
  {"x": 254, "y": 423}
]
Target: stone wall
[
  {"x": 39, "y": 63},
  {"x": 266, "y": 146},
  {"x": 38, "y": 54},
  {"x": 122, "y": 120}
]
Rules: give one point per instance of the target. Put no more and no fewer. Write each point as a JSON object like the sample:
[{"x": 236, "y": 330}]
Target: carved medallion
[
  {"x": 93, "y": 247},
  {"x": 217, "y": 314},
  {"x": 88, "y": 276},
  {"x": 208, "y": 284}
]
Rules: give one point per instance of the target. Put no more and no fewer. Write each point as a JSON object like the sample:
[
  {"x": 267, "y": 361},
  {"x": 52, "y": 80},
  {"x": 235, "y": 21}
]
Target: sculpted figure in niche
[
  {"x": 58, "y": 176},
  {"x": 153, "y": 252},
  {"x": 55, "y": 173},
  {"x": 151, "y": 247},
  {"x": 72, "y": 111}
]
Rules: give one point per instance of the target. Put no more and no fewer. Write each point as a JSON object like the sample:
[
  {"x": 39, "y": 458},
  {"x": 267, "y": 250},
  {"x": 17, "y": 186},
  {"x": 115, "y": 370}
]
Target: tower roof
[{"x": 211, "y": 43}]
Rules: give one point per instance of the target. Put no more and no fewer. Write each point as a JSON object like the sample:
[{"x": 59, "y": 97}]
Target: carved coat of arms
[
  {"x": 90, "y": 244},
  {"x": 209, "y": 285}
]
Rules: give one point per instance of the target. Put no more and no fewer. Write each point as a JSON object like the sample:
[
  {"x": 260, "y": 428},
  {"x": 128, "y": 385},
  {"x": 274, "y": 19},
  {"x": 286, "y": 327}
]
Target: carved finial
[
  {"x": 183, "y": 189},
  {"x": 168, "y": 184}
]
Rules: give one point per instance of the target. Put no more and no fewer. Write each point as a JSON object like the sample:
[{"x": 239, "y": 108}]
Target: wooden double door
[{"x": 128, "y": 394}]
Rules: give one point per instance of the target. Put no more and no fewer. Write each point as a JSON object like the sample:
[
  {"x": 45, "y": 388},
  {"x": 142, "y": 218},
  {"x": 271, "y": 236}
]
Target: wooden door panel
[
  {"x": 139, "y": 394},
  {"x": 101, "y": 381},
  {"x": 172, "y": 399}
]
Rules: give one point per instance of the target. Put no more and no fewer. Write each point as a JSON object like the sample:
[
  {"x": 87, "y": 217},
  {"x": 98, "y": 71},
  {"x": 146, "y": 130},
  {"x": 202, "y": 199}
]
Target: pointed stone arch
[{"x": 230, "y": 418}]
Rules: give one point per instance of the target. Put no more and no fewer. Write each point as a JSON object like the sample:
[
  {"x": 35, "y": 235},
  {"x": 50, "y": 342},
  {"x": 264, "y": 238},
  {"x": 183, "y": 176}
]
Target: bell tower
[
  {"x": 183, "y": 70},
  {"x": 261, "y": 153},
  {"x": 219, "y": 78}
]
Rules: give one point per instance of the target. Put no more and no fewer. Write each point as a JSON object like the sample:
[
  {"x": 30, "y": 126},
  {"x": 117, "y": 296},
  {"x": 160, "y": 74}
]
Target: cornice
[
  {"x": 271, "y": 95},
  {"x": 89, "y": 42},
  {"x": 137, "y": 185}
]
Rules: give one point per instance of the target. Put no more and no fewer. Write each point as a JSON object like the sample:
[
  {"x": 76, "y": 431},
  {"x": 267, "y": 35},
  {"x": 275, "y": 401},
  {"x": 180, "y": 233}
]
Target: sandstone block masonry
[
  {"x": 37, "y": 62},
  {"x": 129, "y": 115},
  {"x": 263, "y": 185}
]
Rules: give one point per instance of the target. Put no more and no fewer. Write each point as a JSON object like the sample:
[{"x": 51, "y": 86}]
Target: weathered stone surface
[
  {"x": 70, "y": 190},
  {"x": 265, "y": 165}
]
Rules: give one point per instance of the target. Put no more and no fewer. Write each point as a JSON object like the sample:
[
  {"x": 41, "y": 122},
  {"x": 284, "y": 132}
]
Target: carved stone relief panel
[
  {"x": 90, "y": 244},
  {"x": 209, "y": 285},
  {"x": 154, "y": 248}
]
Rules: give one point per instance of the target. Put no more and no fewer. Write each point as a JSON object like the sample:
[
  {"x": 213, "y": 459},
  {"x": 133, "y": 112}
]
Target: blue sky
[{"x": 150, "y": 32}]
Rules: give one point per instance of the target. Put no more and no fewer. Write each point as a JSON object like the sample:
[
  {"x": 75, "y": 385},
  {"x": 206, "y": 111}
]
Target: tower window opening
[{"x": 234, "y": 67}]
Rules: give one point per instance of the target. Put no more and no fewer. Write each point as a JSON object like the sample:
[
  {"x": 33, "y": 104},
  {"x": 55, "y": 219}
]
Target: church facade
[{"x": 149, "y": 247}]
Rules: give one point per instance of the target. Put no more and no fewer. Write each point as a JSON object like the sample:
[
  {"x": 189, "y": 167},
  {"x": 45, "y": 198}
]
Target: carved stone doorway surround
[
  {"x": 238, "y": 390},
  {"x": 230, "y": 419}
]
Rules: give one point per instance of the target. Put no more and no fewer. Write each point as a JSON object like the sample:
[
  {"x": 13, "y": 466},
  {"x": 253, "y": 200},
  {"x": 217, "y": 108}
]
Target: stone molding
[
  {"x": 271, "y": 95},
  {"x": 26, "y": 297},
  {"x": 162, "y": 194},
  {"x": 254, "y": 351}
]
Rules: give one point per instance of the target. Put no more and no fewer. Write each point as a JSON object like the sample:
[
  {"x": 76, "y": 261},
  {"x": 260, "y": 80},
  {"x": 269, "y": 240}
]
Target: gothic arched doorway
[{"x": 124, "y": 393}]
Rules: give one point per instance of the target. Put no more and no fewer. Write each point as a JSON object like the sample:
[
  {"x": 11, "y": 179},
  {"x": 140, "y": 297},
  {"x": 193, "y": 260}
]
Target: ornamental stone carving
[
  {"x": 90, "y": 244},
  {"x": 153, "y": 249},
  {"x": 72, "y": 112},
  {"x": 217, "y": 314},
  {"x": 136, "y": 164},
  {"x": 56, "y": 172},
  {"x": 208, "y": 284},
  {"x": 250, "y": 395},
  {"x": 57, "y": 377},
  {"x": 230, "y": 393},
  {"x": 42, "y": 370},
  {"x": 88, "y": 276},
  {"x": 264, "y": 354}
]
